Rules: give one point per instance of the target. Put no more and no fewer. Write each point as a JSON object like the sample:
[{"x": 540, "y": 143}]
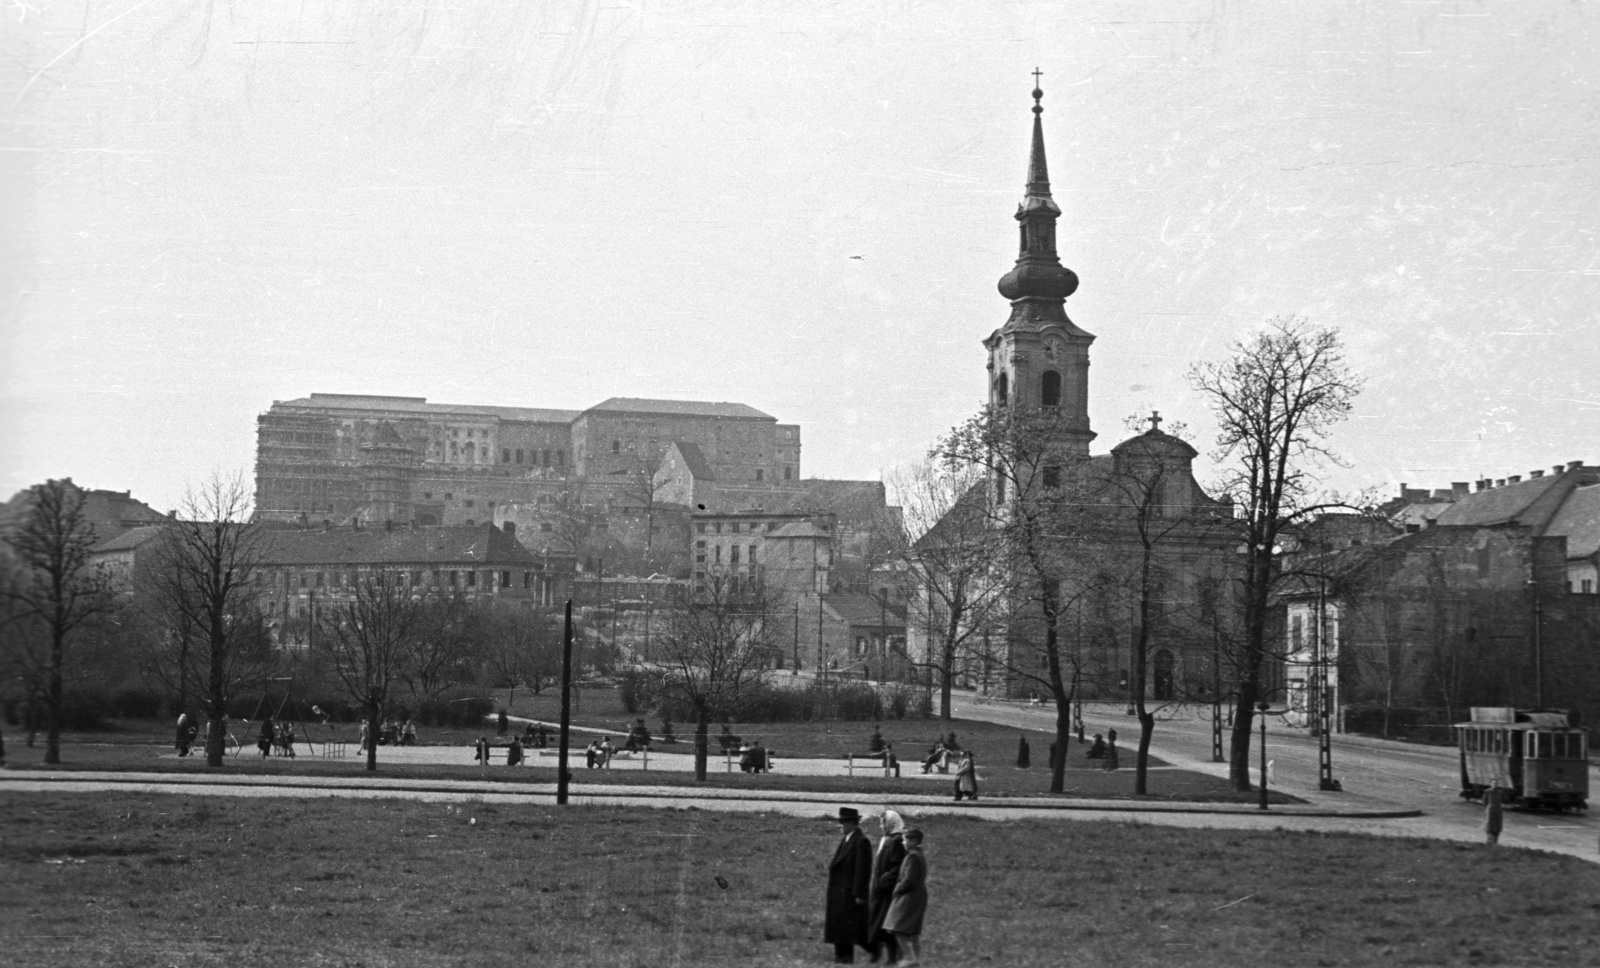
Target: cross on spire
[
  {"x": 1036, "y": 75},
  {"x": 1038, "y": 92},
  {"x": 1155, "y": 421}
]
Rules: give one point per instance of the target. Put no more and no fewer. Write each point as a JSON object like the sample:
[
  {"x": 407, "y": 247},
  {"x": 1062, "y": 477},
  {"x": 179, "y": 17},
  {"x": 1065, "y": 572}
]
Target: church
[{"x": 1112, "y": 565}]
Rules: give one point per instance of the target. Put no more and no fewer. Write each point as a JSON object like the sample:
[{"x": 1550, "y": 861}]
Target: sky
[{"x": 804, "y": 207}]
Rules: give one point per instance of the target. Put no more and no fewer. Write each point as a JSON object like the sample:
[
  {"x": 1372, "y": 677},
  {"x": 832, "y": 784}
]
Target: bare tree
[
  {"x": 203, "y": 593},
  {"x": 1150, "y": 521},
  {"x": 715, "y": 647},
  {"x": 948, "y": 544},
  {"x": 57, "y": 587},
  {"x": 370, "y": 637},
  {"x": 1276, "y": 399},
  {"x": 450, "y": 633},
  {"x": 522, "y": 645},
  {"x": 1032, "y": 502}
]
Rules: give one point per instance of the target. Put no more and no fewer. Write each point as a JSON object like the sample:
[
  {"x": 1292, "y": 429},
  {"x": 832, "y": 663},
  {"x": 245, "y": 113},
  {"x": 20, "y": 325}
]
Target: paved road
[{"x": 1373, "y": 772}]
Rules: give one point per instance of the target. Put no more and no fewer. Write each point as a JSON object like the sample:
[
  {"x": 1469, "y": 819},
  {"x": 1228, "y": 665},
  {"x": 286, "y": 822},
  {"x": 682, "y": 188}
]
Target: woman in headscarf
[
  {"x": 885, "y": 874},
  {"x": 967, "y": 778},
  {"x": 910, "y": 901}
]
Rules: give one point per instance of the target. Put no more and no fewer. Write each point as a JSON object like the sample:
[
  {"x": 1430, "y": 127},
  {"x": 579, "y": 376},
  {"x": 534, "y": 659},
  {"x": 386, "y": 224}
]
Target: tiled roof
[
  {"x": 1579, "y": 520},
  {"x": 695, "y": 460},
  {"x": 687, "y": 408},
  {"x": 1507, "y": 504},
  {"x": 128, "y": 540},
  {"x": 483, "y": 545},
  {"x": 864, "y": 610}
]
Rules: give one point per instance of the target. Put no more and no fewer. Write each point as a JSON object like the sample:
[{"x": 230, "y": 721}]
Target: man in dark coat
[{"x": 849, "y": 882}]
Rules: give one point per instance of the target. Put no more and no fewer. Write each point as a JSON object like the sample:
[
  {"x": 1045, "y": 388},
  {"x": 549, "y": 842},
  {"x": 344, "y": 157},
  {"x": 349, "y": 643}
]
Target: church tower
[{"x": 1040, "y": 358}]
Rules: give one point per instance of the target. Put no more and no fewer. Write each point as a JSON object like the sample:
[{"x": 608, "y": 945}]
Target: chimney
[
  {"x": 1482, "y": 486},
  {"x": 1460, "y": 489},
  {"x": 1573, "y": 465},
  {"x": 1535, "y": 475},
  {"x": 1514, "y": 479},
  {"x": 1558, "y": 468},
  {"x": 1500, "y": 482}
]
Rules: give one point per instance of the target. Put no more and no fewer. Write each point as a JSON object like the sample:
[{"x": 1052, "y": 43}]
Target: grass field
[
  {"x": 134, "y": 745},
  {"x": 119, "y": 879}
]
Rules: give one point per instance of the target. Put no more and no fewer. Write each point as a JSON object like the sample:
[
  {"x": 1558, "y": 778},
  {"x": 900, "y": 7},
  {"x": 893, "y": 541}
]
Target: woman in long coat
[
  {"x": 910, "y": 901},
  {"x": 967, "y": 778},
  {"x": 885, "y": 873}
]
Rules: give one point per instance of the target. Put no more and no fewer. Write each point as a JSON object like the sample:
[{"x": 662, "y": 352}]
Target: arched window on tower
[
  {"x": 1001, "y": 388},
  {"x": 1050, "y": 389}
]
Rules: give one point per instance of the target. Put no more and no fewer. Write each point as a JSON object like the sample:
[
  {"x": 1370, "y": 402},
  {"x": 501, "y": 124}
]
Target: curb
[{"x": 668, "y": 794}]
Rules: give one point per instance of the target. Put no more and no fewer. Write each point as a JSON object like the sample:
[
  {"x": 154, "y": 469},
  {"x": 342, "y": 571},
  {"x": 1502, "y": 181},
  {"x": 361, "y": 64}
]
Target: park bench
[
  {"x": 880, "y": 761},
  {"x": 735, "y": 759}
]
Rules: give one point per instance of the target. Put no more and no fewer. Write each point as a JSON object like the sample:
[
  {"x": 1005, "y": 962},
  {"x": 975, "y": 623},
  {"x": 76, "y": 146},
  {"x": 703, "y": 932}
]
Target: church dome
[{"x": 1153, "y": 444}]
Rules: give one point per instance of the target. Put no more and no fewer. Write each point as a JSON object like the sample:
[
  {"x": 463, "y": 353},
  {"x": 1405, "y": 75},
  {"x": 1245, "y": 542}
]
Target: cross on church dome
[{"x": 1155, "y": 421}]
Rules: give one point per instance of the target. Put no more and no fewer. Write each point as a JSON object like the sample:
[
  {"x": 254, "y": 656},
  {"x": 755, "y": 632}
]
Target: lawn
[
  {"x": 135, "y": 745},
  {"x": 119, "y": 879}
]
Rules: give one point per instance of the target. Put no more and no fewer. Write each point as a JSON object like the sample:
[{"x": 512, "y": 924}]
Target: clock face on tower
[{"x": 1052, "y": 349}]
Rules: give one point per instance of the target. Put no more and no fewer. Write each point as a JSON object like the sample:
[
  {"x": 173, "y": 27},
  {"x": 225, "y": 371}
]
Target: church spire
[{"x": 1038, "y": 283}]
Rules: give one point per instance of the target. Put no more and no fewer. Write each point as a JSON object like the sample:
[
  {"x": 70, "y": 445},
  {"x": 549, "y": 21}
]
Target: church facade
[{"x": 1114, "y": 564}]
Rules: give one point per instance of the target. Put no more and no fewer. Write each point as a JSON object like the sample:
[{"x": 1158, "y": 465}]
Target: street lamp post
[
  {"x": 1325, "y": 780},
  {"x": 1265, "y": 711}
]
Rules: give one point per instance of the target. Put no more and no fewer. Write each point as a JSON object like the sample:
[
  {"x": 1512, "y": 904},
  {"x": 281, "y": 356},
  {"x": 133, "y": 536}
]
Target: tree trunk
[
  {"x": 702, "y": 723},
  {"x": 217, "y": 742},
  {"x": 52, "y": 745},
  {"x": 946, "y": 673},
  {"x": 1239, "y": 741},
  {"x": 1147, "y": 726},
  {"x": 373, "y": 715},
  {"x": 1060, "y": 748}
]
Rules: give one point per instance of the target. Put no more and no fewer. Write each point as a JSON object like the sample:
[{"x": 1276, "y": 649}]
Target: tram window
[{"x": 1544, "y": 745}]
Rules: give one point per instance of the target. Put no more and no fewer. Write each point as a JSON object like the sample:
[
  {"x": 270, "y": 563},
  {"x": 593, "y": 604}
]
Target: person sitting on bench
[
  {"x": 935, "y": 757},
  {"x": 638, "y": 736},
  {"x": 1097, "y": 750}
]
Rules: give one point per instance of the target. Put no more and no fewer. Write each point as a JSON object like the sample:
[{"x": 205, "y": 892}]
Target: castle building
[{"x": 372, "y": 459}]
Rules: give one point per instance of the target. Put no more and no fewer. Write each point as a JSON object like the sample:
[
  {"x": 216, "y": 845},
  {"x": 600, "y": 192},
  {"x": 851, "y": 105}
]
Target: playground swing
[{"x": 284, "y": 744}]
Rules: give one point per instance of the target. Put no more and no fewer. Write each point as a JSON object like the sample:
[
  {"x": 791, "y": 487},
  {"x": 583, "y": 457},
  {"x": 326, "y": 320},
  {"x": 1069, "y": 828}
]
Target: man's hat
[{"x": 849, "y": 814}]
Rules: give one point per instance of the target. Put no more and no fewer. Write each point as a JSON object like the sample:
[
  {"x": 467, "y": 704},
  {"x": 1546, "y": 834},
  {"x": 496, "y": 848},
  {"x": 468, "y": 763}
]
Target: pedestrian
[
  {"x": 286, "y": 737},
  {"x": 408, "y": 734},
  {"x": 967, "y": 778},
  {"x": 363, "y": 736},
  {"x": 514, "y": 753},
  {"x": 910, "y": 903},
  {"x": 891, "y": 763},
  {"x": 482, "y": 751},
  {"x": 849, "y": 884},
  {"x": 885, "y": 874},
  {"x": 591, "y": 755},
  {"x": 1111, "y": 750},
  {"x": 265, "y": 738},
  {"x": 185, "y": 737}
]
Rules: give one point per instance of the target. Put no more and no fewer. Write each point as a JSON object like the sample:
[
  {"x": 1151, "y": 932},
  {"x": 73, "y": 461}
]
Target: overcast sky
[{"x": 804, "y": 207}]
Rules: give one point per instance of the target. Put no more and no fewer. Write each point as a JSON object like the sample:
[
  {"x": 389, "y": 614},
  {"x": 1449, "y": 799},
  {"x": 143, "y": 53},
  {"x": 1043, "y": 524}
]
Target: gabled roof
[
  {"x": 679, "y": 408},
  {"x": 1579, "y": 520},
  {"x": 1522, "y": 503},
  {"x": 967, "y": 516},
  {"x": 853, "y": 609},
  {"x": 128, "y": 540},
  {"x": 481, "y": 545},
  {"x": 694, "y": 460}
]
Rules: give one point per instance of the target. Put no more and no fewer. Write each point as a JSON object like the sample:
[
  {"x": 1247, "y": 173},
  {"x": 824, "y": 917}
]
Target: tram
[{"x": 1533, "y": 757}]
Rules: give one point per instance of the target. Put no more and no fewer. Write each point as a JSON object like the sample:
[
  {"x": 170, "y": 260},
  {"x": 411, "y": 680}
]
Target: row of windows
[
  {"x": 544, "y": 457},
  {"x": 414, "y": 578},
  {"x": 734, "y": 526},
  {"x": 1556, "y": 746},
  {"x": 716, "y": 553}
]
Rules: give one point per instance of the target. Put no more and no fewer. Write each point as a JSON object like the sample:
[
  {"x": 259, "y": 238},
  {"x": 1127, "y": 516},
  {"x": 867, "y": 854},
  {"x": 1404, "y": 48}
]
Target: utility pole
[
  {"x": 562, "y": 777},
  {"x": 1325, "y": 780}
]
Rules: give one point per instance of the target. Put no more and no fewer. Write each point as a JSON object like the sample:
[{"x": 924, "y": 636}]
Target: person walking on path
[
  {"x": 185, "y": 734},
  {"x": 514, "y": 753},
  {"x": 849, "y": 883},
  {"x": 481, "y": 753},
  {"x": 910, "y": 899},
  {"x": 265, "y": 738},
  {"x": 885, "y": 873},
  {"x": 967, "y": 778},
  {"x": 1110, "y": 762}
]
